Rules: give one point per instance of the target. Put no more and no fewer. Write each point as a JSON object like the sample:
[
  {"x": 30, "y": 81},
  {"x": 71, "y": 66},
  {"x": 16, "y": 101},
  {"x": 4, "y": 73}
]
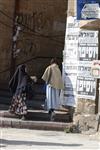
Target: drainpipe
[
  {"x": 12, "y": 63},
  {"x": 98, "y": 88}
]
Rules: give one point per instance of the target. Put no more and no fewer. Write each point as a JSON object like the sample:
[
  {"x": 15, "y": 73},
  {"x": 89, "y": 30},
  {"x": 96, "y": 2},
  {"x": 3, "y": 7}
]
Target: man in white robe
[{"x": 52, "y": 77}]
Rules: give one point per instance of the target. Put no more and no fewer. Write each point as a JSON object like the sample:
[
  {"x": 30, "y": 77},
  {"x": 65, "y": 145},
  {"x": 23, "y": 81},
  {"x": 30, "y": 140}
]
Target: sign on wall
[
  {"x": 87, "y": 52},
  {"x": 86, "y": 87},
  {"x": 70, "y": 61},
  {"x": 95, "y": 69},
  {"x": 88, "y": 9}
]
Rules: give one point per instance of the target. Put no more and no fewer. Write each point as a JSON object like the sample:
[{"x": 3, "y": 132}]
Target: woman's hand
[{"x": 34, "y": 78}]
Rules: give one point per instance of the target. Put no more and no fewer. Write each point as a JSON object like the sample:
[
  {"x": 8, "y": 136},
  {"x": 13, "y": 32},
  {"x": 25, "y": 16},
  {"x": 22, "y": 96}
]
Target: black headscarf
[{"x": 19, "y": 80}]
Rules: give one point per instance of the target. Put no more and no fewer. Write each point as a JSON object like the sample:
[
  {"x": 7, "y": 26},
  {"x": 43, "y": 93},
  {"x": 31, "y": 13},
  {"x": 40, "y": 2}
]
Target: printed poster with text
[
  {"x": 70, "y": 62},
  {"x": 87, "y": 52}
]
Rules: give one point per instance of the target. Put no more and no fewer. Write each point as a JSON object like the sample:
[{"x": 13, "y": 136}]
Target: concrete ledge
[{"x": 39, "y": 125}]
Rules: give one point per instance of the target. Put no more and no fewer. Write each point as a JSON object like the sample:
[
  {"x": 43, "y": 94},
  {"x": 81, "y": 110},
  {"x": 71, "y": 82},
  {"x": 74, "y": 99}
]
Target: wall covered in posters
[{"x": 81, "y": 48}]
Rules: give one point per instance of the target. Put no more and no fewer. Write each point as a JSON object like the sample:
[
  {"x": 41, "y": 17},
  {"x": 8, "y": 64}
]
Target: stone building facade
[
  {"x": 41, "y": 36},
  {"x": 6, "y": 9}
]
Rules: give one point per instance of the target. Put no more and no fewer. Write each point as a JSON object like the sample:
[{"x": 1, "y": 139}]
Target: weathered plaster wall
[{"x": 42, "y": 35}]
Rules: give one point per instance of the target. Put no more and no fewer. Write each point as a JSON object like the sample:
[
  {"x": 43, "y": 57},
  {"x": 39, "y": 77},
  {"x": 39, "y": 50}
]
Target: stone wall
[
  {"x": 42, "y": 36},
  {"x": 71, "y": 8},
  {"x": 6, "y": 8},
  {"x": 86, "y": 123},
  {"x": 85, "y": 106}
]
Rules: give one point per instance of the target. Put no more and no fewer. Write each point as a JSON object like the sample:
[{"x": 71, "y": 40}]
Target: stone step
[
  {"x": 38, "y": 125},
  {"x": 33, "y": 104},
  {"x": 36, "y": 97},
  {"x": 37, "y": 100},
  {"x": 6, "y": 93},
  {"x": 37, "y": 88},
  {"x": 39, "y": 115}
]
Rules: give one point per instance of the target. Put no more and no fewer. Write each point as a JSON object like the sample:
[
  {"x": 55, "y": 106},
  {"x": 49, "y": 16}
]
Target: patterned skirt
[{"x": 18, "y": 105}]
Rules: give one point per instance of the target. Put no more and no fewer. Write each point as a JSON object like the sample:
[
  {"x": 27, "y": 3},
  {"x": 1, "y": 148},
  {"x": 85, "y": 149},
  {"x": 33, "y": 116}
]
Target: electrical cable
[{"x": 30, "y": 28}]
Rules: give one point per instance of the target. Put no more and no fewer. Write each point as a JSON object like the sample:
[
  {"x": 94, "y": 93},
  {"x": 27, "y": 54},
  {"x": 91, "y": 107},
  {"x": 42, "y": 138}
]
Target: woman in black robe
[{"x": 19, "y": 88}]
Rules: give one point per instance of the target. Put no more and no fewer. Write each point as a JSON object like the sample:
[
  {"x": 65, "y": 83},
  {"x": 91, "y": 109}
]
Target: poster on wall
[
  {"x": 96, "y": 69},
  {"x": 86, "y": 87},
  {"x": 87, "y": 52},
  {"x": 88, "y": 45},
  {"x": 70, "y": 79},
  {"x": 84, "y": 69},
  {"x": 88, "y": 9},
  {"x": 70, "y": 61}
]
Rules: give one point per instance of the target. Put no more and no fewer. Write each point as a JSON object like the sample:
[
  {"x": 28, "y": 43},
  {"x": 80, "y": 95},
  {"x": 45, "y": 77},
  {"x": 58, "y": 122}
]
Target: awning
[{"x": 90, "y": 24}]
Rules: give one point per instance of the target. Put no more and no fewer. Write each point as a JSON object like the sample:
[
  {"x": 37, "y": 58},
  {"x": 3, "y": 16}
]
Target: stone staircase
[
  {"x": 36, "y": 102},
  {"x": 35, "y": 106}
]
